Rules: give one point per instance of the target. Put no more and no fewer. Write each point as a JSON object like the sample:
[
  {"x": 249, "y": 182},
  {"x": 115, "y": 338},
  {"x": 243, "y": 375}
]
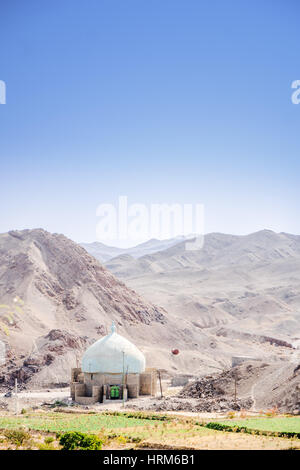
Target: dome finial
[{"x": 113, "y": 327}]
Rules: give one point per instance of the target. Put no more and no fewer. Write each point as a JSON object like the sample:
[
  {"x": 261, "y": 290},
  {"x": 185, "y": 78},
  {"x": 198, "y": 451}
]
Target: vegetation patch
[
  {"x": 17, "y": 436},
  {"x": 140, "y": 415},
  {"x": 117, "y": 430},
  {"x": 279, "y": 427},
  {"x": 80, "y": 441},
  {"x": 64, "y": 422}
]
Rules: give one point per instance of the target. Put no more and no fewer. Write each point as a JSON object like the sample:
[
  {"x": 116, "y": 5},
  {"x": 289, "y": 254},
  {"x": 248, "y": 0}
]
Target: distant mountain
[
  {"x": 100, "y": 251},
  {"x": 103, "y": 253},
  {"x": 251, "y": 283}
]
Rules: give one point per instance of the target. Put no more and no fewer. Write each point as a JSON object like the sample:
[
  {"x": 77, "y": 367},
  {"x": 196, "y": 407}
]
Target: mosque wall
[
  {"x": 148, "y": 381},
  {"x": 94, "y": 387},
  {"x": 75, "y": 373},
  {"x": 93, "y": 379},
  {"x": 133, "y": 385},
  {"x": 90, "y": 381}
]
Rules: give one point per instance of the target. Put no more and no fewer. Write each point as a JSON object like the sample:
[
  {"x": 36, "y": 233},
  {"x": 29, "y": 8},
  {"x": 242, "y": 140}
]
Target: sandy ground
[
  {"x": 31, "y": 399},
  {"x": 28, "y": 399},
  {"x": 42, "y": 394},
  {"x": 37, "y": 398}
]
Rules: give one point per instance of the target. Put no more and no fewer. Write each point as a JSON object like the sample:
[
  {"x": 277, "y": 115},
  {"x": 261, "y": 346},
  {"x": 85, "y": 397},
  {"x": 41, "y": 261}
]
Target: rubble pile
[
  {"x": 199, "y": 405},
  {"x": 212, "y": 386},
  {"x": 195, "y": 405}
]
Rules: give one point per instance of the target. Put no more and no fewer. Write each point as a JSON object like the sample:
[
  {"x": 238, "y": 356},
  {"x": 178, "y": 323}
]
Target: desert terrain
[{"x": 238, "y": 296}]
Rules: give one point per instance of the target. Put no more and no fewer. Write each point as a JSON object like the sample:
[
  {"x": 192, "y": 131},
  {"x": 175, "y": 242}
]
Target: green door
[{"x": 114, "y": 391}]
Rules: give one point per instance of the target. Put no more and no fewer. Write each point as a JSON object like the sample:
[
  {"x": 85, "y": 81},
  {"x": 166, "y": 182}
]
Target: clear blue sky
[{"x": 169, "y": 101}]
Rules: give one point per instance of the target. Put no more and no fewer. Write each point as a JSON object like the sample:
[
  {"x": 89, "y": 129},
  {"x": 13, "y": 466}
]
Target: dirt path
[{"x": 43, "y": 394}]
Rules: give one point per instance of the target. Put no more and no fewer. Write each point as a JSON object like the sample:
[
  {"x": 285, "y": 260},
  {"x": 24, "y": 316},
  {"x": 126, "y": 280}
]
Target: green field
[
  {"x": 55, "y": 422},
  {"x": 274, "y": 424},
  {"x": 147, "y": 430},
  {"x": 93, "y": 423}
]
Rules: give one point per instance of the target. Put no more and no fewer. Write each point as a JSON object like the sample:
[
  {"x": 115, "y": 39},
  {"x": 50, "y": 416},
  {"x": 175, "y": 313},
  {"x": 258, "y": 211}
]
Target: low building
[{"x": 112, "y": 368}]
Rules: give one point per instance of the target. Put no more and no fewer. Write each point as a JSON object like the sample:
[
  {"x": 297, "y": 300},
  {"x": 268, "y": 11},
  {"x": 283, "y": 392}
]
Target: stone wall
[
  {"x": 86, "y": 400},
  {"x": 79, "y": 391},
  {"x": 75, "y": 373},
  {"x": 72, "y": 390},
  {"x": 148, "y": 382},
  {"x": 95, "y": 387},
  {"x": 76, "y": 378},
  {"x": 133, "y": 385},
  {"x": 97, "y": 393},
  {"x": 154, "y": 382},
  {"x": 91, "y": 380},
  {"x": 145, "y": 384}
]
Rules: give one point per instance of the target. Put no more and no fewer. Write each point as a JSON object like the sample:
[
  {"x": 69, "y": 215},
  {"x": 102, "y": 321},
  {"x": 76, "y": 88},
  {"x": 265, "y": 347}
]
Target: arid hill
[
  {"x": 63, "y": 290},
  {"x": 248, "y": 284},
  {"x": 251, "y": 386}
]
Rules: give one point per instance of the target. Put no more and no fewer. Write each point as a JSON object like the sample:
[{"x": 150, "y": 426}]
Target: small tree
[{"x": 80, "y": 441}]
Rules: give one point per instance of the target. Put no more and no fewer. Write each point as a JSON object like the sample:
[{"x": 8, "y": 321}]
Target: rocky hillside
[{"x": 56, "y": 299}]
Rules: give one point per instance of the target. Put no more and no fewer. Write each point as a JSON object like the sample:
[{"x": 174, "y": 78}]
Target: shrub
[
  {"x": 121, "y": 439},
  {"x": 254, "y": 432},
  {"x": 45, "y": 446},
  {"x": 80, "y": 441},
  {"x": 48, "y": 440},
  {"x": 139, "y": 415},
  {"x": 17, "y": 437},
  {"x": 57, "y": 403},
  {"x": 134, "y": 439}
]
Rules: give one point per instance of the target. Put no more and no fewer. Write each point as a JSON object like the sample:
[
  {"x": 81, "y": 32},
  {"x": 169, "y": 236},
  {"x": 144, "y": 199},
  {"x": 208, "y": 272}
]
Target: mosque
[{"x": 112, "y": 368}]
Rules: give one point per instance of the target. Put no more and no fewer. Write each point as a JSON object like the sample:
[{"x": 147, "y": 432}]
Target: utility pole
[
  {"x": 16, "y": 396},
  {"x": 235, "y": 380},
  {"x": 123, "y": 394},
  {"x": 161, "y": 393}
]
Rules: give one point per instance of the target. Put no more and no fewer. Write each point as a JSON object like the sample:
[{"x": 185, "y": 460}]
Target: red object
[{"x": 175, "y": 351}]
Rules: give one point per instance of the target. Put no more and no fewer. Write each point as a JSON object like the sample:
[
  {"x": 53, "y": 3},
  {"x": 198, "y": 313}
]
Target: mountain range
[
  {"x": 249, "y": 283},
  {"x": 103, "y": 252},
  {"x": 236, "y": 296}
]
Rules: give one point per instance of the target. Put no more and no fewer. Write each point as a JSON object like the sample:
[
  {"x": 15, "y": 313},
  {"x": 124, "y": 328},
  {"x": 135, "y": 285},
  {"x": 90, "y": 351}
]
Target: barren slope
[
  {"x": 62, "y": 288},
  {"x": 251, "y": 283}
]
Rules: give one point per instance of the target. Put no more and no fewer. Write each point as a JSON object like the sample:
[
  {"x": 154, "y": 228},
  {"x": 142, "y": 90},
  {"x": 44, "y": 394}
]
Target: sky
[{"x": 161, "y": 101}]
